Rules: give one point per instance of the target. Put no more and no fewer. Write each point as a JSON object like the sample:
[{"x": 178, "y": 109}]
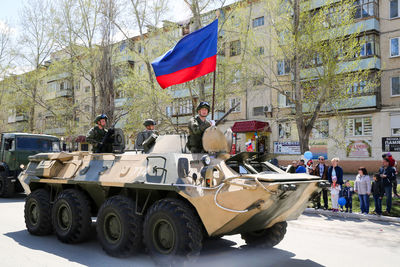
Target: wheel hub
[
  {"x": 164, "y": 236},
  {"x": 112, "y": 228},
  {"x": 34, "y": 213},
  {"x": 64, "y": 216}
]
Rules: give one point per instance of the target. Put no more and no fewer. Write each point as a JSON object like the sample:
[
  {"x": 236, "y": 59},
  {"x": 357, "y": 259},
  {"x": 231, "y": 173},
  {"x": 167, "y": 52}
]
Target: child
[
  {"x": 335, "y": 190},
  {"x": 377, "y": 191},
  {"x": 348, "y": 192}
]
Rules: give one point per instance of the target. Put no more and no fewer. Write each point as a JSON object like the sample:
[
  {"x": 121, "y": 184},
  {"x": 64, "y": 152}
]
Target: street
[{"x": 312, "y": 240}]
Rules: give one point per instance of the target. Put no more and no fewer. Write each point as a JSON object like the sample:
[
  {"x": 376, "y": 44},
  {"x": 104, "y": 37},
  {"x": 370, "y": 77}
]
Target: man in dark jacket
[
  {"x": 197, "y": 125},
  {"x": 388, "y": 174},
  {"x": 321, "y": 170},
  {"x": 143, "y": 135},
  {"x": 335, "y": 170}
]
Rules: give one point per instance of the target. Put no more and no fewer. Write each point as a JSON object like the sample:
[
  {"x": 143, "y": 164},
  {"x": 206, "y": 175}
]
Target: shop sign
[
  {"x": 291, "y": 148},
  {"x": 359, "y": 149},
  {"x": 319, "y": 148},
  {"x": 391, "y": 144}
]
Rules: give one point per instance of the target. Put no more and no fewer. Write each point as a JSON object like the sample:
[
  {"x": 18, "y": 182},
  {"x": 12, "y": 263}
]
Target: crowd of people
[{"x": 383, "y": 183}]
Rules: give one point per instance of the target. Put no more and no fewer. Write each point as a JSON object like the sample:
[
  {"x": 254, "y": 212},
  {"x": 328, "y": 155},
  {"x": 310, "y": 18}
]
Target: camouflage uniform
[
  {"x": 196, "y": 131},
  {"x": 95, "y": 137},
  {"x": 141, "y": 137}
]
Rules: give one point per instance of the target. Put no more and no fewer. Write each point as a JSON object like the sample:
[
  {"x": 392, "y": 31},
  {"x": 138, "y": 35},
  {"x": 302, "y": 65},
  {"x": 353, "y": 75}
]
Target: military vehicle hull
[{"x": 171, "y": 198}]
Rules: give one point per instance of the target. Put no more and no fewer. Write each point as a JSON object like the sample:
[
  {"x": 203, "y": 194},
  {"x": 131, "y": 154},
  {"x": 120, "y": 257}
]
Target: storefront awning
[{"x": 250, "y": 126}]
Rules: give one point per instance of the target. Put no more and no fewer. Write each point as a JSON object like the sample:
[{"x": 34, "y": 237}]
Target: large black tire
[
  {"x": 71, "y": 216},
  {"x": 38, "y": 213},
  {"x": 7, "y": 188},
  {"x": 266, "y": 238},
  {"x": 119, "y": 228},
  {"x": 172, "y": 232}
]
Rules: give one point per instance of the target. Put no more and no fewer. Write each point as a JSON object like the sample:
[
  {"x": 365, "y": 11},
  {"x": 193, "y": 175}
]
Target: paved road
[{"x": 313, "y": 240}]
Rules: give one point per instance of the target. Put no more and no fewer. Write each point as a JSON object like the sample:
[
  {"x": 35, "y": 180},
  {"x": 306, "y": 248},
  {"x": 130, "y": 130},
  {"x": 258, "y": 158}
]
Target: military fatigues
[
  {"x": 141, "y": 137},
  {"x": 196, "y": 131},
  {"x": 95, "y": 136}
]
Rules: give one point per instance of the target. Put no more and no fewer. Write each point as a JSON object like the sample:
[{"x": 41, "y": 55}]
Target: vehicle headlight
[{"x": 22, "y": 166}]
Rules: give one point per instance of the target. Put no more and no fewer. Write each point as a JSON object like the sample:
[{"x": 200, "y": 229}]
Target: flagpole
[
  {"x": 213, "y": 94},
  {"x": 217, "y": 13}
]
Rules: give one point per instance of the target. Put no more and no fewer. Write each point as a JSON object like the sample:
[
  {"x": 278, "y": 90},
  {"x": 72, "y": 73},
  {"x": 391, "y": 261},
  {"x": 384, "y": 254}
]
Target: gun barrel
[{"x": 227, "y": 113}]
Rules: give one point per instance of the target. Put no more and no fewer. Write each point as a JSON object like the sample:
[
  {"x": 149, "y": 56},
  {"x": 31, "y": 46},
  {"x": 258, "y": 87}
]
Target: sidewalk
[{"x": 352, "y": 215}]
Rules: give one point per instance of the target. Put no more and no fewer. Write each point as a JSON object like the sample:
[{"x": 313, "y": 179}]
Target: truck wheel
[
  {"x": 119, "y": 228},
  {"x": 7, "y": 188},
  {"x": 71, "y": 216},
  {"x": 172, "y": 232},
  {"x": 38, "y": 213},
  {"x": 266, "y": 238}
]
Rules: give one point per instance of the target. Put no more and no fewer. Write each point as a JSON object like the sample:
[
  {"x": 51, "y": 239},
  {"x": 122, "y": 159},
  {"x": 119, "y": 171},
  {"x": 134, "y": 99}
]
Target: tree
[
  {"x": 37, "y": 45},
  {"x": 318, "y": 49}
]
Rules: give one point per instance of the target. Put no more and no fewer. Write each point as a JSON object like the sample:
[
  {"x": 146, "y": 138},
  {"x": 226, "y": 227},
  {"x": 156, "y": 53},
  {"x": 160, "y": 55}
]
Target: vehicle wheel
[
  {"x": 172, "y": 232},
  {"x": 7, "y": 188},
  {"x": 119, "y": 229},
  {"x": 71, "y": 216},
  {"x": 38, "y": 213},
  {"x": 266, "y": 238}
]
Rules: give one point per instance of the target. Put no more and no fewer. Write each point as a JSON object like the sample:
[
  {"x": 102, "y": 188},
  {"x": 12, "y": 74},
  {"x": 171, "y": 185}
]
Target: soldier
[
  {"x": 142, "y": 136},
  {"x": 95, "y": 136},
  {"x": 197, "y": 125}
]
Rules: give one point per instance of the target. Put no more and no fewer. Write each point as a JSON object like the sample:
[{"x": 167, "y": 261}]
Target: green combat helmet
[
  {"x": 99, "y": 117},
  {"x": 203, "y": 104},
  {"x": 149, "y": 122}
]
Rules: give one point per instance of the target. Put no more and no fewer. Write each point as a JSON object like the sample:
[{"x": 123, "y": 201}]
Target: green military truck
[{"x": 14, "y": 151}]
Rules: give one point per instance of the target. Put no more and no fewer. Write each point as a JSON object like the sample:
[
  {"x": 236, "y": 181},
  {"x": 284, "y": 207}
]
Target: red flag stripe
[{"x": 184, "y": 75}]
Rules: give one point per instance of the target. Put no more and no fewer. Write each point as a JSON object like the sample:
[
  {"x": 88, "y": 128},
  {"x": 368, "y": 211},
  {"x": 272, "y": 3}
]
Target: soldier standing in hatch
[
  {"x": 143, "y": 135},
  {"x": 96, "y": 135},
  {"x": 197, "y": 125}
]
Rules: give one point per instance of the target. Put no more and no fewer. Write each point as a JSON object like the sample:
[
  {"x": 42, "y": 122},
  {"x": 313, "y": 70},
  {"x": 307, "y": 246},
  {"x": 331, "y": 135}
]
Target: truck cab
[{"x": 15, "y": 148}]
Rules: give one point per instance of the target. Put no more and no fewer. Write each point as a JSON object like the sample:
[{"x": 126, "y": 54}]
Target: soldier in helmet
[
  {"x": 197, "y": 125},
  {"x": 95, "y": 136},
  {"x": 143, "y": 135}
]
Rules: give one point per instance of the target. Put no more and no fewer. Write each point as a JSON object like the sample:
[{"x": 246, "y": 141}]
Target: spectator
[
  {"x": 293, "y": 167},
  {"x": 348, "y": 192},
  {"x": 301, "y": 168},
  {"x": 321, "y": 170},
  {"x": 393, "y": 163},
  {"x": 377, "y": 191},
  {"x": 309, "y": 167},
  {"x": 335, "y": 191},
  {"x": 335, "y": 170},
  {"x": 388, "y": 175},
  {"x": 362, "y": 186}
]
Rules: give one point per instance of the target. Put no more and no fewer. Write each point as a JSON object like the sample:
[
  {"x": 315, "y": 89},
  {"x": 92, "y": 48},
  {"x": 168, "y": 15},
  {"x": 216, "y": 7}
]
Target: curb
[{"x": 352, "y": 215}]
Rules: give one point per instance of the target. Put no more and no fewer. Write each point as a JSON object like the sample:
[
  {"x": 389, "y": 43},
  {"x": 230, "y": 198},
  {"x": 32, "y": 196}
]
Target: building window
[
  {"x": 87, "y": 89},
  {"x": 283, "y": 67},
  {"x": 285, "y": 100},
  {"x": 258, "y": 81},
  {"x": 235, "y": 48},
  {"x": 260, "y": 50},
  {"x": 321, "y": 129},
  {"x": 394, "y": 47},
  {"x": 140, "y": 48},
  {"x": 394, "y": 9},
  {"x": 221, "y": 51},
  {"x": 395, "y": 86},
  {"x": 366, "y": 8},
  {"x": 359, "y": 126},
  {"x": 258, "y": 111},
  {"x": 284, "y": 130},
  {"x": 369, "y": 45},
  {"x": 395, "y": 124},
  {"x": 87, "y": 108},
  {"x": 258, "y": 22},
  {"x": 233, "y": 102}
]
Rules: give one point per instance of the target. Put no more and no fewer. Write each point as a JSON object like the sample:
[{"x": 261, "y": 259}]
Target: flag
[{"x": 193, "y": 56}]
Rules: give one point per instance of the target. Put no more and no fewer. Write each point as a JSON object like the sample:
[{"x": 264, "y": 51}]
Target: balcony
[
  {"x": 64, "y": 93},
  {"x": 17, "y": 118},
  {"x": 59, "y": 131}
]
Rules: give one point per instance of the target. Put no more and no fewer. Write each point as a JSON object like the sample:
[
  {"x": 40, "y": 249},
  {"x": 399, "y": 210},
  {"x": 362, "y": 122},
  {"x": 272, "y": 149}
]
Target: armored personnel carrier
[{"x": 167, "y": 198}]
